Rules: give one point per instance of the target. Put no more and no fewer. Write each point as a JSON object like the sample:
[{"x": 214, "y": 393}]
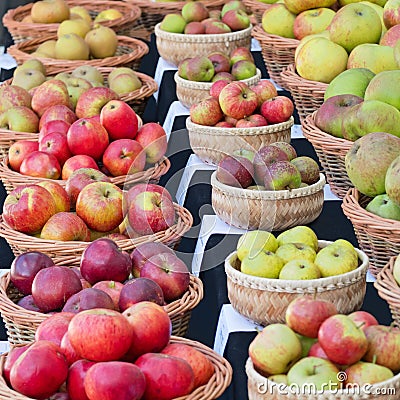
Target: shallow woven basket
[
  {"x": 331, "y": 152},
  {"x": 261, "y": 388},
  {"x": 12, "y": 179},
  {"x": 190, "y": 92},
  {"x": 175, "y": 47},
  {"x": 212, "y": 143},
  {"x": 20, "y": 31},
  {"x": 378, "y": 237},
  {"x": 265, "y": 300},
  {"x": 257, "y": 8},
  {"x": 217, "y": 384},
  {"x": 129, "y": 54},
  {"x": 277, "y": 52},
  {"x": 267, "y": 209},
  {"x": 308, "y": 95}
]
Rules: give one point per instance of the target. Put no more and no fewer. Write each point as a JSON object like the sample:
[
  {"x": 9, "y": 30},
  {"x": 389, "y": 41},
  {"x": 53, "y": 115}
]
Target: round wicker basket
[
  {"x": 20, "y": 30},
  {"x": 261, "y": 388},
  {"x": 257, "y": 7},
  {"x": 211, "y": 143},
  {"x": 307, "y": 95},
  {"x": 175, "y": 47},
  {"x": 129, "y": 53},
  {"x": 267, "y": 209},
  {"x": 378, "y": 237},
  {"x": 265, "y": 300},
  {"x": 331, "y": 152},
  {"x": 215, "y": 387},
  {"x": 190, "y": 92},
  {"x": 277, "y": 52}
]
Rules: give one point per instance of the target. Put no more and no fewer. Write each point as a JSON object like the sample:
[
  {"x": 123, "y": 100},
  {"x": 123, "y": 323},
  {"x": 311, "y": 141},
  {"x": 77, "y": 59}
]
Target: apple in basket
[
  {"x": 19, "y": 150},
  {"x": 55, "y": 125},
  {"x": 12, "y": 357},
  {"x": 235, "y": 171},
  {"x": 54, "y": 327},
  {"x": 76, "y": 376},
  {"x": 59, "y": 194},
  {"x": 206, "y": 112},
  {"x": 278, "y": 109},
  {"x": 77, "y": 162},
  {"x": 93, "y": 100},
  {"x": 87, "y": 299},
  {"x": 56, "y": 143},
  {"x": 153, "y": 139},
  {"x": 41, "y": 165},
  {"x": 112, "y": 288}
]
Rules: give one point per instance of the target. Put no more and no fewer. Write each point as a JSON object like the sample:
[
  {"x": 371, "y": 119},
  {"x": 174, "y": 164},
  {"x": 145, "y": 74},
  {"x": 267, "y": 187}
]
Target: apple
[
  {"x": 224, "y": 124},
  {"x": 264, "y": 158},
  {"x": 200, "y": 69},
  {"x": 59, "y": 194},
  {"x": 383, "y": 206},
  {"x": 264, "y": 264},
  {"x": 79, "y": 26},
  {"x": 362, "y": 373},
  {"x": 112, "y": 288},
  {"x": 278, "y": 20},
  {"x": 308, "y": 168},
  {"x": 77, "y": 162},
  {"x": 390, "y": 37},
  {"x": 56, "y": 143},
  {"x": 317, "y": 351},
  {"x": 206, "y": 112},
  {"x": 216, "y": 28},
  {"x": 19, "y": 150},
  {"x": 293, "y": 251},
  {"x": 287, "y": 148},
  {"x": 251, "y": 121},
  {"x": 232, "y": 5},
  {"x": 391, "y": 13},
  {"x": 240, "y": 53},
  {"x": 54, "y": 327},
  {"x": 28, "y": 303},
  {"x": 223, "y": 76},
  {"x": 50, "y": 11},
  {"x": 278, "y": 109},
  {"x": 194, "y": 28},
  {"x": 300, "y": 269},
  {"x": 237, "y": 20},
  {"x": 265, "y": 90},
  {"x": 220, "y": 61},
  {"x": 376, "y": 88},
  {"x": 173, "y": 22},
  {"x": 93, "y": 100},
  {"x": 309, "y": 22},
  {"x": 243, "y": 69},
  {"x": 20, "y": 119},
  {"x": 57, "y": 112},
  {"x": 88, "y": 299},
  {"x": 12, "y": 96},
  {"x": 67, "y": 349},
  {"x": 153, "y": 138},
  {"x": 253, "y": 242},
  {"x": 13, "y": 356},
  {"x": 235, "y": 171},
  {"x": 194, "y": 12},
  {"x": 363, "y": 319},
  {"x": 216, "y": 88},
  {"x": 40, "y": 165},
  {"x": 75, "y": 380}
]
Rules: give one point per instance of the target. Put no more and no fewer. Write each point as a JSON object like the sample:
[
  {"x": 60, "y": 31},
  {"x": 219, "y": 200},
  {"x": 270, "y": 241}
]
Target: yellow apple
[
  {"x": 107, "y": 15},
  {"x": 49, "y": 11},
  {"x": 78, "y": 26},
  {"x": 71, "y": 47},
  {"x": 102, "y": 41},
  {"x": 265, "y": 264},
  {"x": 293, "y": 251},
  {"x": 299, "y": 234},
  {"x": 278, "y": 20},
  {"x": 253, "y": 242},
  {"x": 300, "y": 269},
  {"x": 305, "y": 39},
  {"x": 375, "y": 57},
  {"x": 32, "y": 63},
  {"x": 82, "y": 12},
  {"x": 297, "y": 6},
  {"x": 336, "y": 259},
  {"x": 48, "y": 47}
]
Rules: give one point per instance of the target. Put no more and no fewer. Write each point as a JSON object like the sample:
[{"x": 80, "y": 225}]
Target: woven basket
[
  {"x": 308, "y": 95},
  {"x": 277, "y": 52},
  {"x": 215, "y": 387},
  {"x": 265, "y": 300},
  {"x": 331, "y": 152},
  {"x": 211, "y": 143},
  {"x": 190, "y": 92},
  {"x": 378, "y": 237},
  {"x": 257, "y": 8},
  {"x": 12, "y": 179},
  {"x": 175, "y": 47},
  {"x": 7, "y": 138},
  {"x": 267, "y": 209},
  {"x": 129, "y": 54},
  {"x": 20, "y": 31},
  {"x": 261, "y": 388}
]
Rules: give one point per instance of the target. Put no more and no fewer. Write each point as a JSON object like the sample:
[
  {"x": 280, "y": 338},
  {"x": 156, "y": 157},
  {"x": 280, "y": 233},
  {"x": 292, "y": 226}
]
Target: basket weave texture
[
  {"x": 265, "y": 300},
  {"x": 308, "y": 95},
  {"x": 277, "y": 52},
  {"x": 257, "y": 8},
  {"x": 217, "y": 384},
  {"x": 175, "y": 47},
  {"x": 267, "y": 209},
  {"x": 190, "y": 92},
  {"x": 331, "y": 152},
  {"x": 378, "y": 237},
  {"x": 20, "y": 31}
]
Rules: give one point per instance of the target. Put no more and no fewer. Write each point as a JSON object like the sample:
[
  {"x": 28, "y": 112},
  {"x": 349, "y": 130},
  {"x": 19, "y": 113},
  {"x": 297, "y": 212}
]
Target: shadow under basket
[{"x": 267, "y": 209}]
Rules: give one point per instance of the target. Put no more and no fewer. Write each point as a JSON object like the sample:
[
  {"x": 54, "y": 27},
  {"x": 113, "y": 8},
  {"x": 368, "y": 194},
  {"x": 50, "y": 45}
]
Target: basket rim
[
  {"x": 386, "y": 285},
  {"x": 283, "y": 285},
  {"x": 269, "y": 194},
  {"x": 290, "y": 76},
  {"x": 264, "y": 37}
]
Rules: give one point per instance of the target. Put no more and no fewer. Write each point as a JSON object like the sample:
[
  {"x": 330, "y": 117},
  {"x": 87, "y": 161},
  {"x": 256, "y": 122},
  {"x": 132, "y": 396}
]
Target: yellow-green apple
[
  {"x": 200, "y": 69},
  {"x": 363, "y": 170},
  {"x": 76, "y": 87},
  {"x": 383, "y": 346},
  {"x": 179, "y": 375},
  {"x": 227, "y": 76},
  {"x": 151, "y": 212},
  {"x": 282, "y": 175},
  {"x": 152, "y": 137},
  {"x": 373, "y": 56},
  {"x": 379, "y": 9},
  {"x": 55, "y": 143},
  {"x": 377, "y": 88},
  {"x": 391, "y": 14},
  {"x": 99, "y": 204},
  {"x": 112, "y": 288},
  {"x": 278, "y": 109},
  {"x": 308, "y": 168},
  {"x": 49, "y": 373},
  {"x": 240, "y": 53},
  {"x": 92, "y": 101},
  {"x": 264, "y": 157},
  {"x": 87, "y": 299},
  {"x": 13, "y": 96},
  {"x": 391, "y": 36},
  {"x": 342, "y": 340},
  {"x": 299, "y": 234},
  {"x": 41, "y": 165},
  {"x": 119, "y": 119},
  {"x": 300, "y": 269},
  {"x": 57, "y": 112},
  {"x": 296, "y": 6},
  {"x": 315, "y": 372},
  {"x": 216, "y": 27},
  {"x": 383, "y": 206},
  {"x": 125, "y": 83},
  {"x": 81, "y": 12},
  {"x": 56, "y": 125},
  {"x": 102, "y": 41},
  {"x": 49, "y": 11},
  {"x": 391, "y": 181},
  {"x": 182, "y": 68},
  {"x": 71, "y": 47},
  {"x": 275, "y": 349},
  {"x": 113, "y": 334},
  {"x": 220, "y": 61},
  {"x": 59, "y": 194},
  {"x": 123, "y": 157},
  {"x": 265, "y": 90},
  {"x": 292, "y": 251},
  {"x": 278, "y": 20},
  {"x": 173, "y": 23},
  {"x": 77, "y": 162},
  {"x": 78, "y": 26},
  {"x": 312, "y": 21},
  {"x": 243, "y": 69},
  {"x": 216, "y": 88},
  {"x": 195, "y": 28},
  {"x": 32, "y": 64},
  {"x": 206, "y": 112},
  {"x": 120, "y": 70},
  {"x": 264, "y": 264},
  {"x": 193, "y": 11},
  {"x": 362, "y": 373},
  {"x": 363, "y": 318},
  {"x": 237, "y": 20},
  {"x": 20, "y": 119},
  {"x": 251, "y": 121},
  {"x": 108, "y": 15},
  {"x": 88, "y": 72},
  {"x": 232, "y": 5},
  {"x": 46, "y": 49},
  {"x": 235, "y": 171},
  {"x": 28, "y": 78},
  {"x": 87, "y": 137},
  {"x": 287, "y": 148},
  {"x": 253, "y": 242}
]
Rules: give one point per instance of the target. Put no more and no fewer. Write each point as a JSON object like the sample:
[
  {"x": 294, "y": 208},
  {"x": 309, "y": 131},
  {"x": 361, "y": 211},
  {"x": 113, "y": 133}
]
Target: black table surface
[{"x": 330, "y": 225}]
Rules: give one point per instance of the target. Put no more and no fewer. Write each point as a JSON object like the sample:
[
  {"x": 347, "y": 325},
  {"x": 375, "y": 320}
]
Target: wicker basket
[
  {"x": 20, "y": 31},
  {"x": 277, "y": 52},
  {"x": 175, "y": 47},
  {"x": 378, "y": 237},
  {"x": 129, "y": 54},
  {"x": 190, "y": 92},
  {"x": 214, "y": 388},
  {"x": 265, "y": 300},
  {"x": 257, "y": 7},
  {"x": 211, "y": 143},
  {"x": 308, "y": 95},
  {"x": 267, "y": 209},
  {"x": 331, "y": 152},
  {"x": 7, "y": 138},
  {"x": 12, "y": 179},
  {"x": 261, "y": 388}
]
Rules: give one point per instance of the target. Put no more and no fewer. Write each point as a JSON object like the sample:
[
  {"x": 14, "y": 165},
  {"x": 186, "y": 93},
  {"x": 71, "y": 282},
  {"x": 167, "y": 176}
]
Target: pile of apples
[
  {"x": 273, "y": 167},
  {"x": 216, "y": 66},
  {"x": 325, "y": 350},
  {"x": 195, "y": 19},
  {"x": 293, "y": 255}
]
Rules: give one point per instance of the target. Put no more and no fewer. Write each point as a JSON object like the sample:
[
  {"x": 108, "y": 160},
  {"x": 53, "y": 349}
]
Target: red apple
[
  {"x": 28, "y": 303},
  {"x": 75, "y": 381},
  {"x": 224, "y": 124},
  {"x": 12, "y": 95},
  {"x": 55, "y": 125},
  {"x": 112, "y": 288},
  {"x": 153, "y": 139},
  {"x": 87, "y": 299},
  {"x": 317, "y": 351},
  {"x": 57, "y": 112},
  {"x": 19, "y": 150},
  {"x": 363, "y": 319},
  {"x": 264, "y": 158},
  {"x": 59, "y": 194},
  {"x": 220, "y": 62},
  {"x": 66, "y": 348},
  {"x": 241, "y": 53},
  {"x": 194, "y": 28},
  {"x": 251, "y": 121},
  {"x": 13, "y": 356},
  {"x": 40, "y": 165},
  {"x": 54, "y": 327},
  {"x": 278, "y": 109},
  {"x": 77, "y": 162},
  {"x": 93, "y": 100},
  {"x": 235, "y": 171},
  {"x": 206, "y": 112},
  {"x": 217, "y": 86},
  {"x": 265, "y": 90},
  {"x": 223, "y": 76},
  {"x": 56, "y": 143}
]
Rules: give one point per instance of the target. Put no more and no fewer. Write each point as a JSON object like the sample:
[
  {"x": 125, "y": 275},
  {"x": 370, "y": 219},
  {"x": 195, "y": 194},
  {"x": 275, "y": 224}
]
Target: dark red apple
[
  {"x": 54, "y": 327},
  {"x": 235, "y": 171},
  {"x": 112, "y": 288},
  {"x": 28, "y": 303},
  {"x": 12, "y": 356},
  {"x": 87, "y": 299},
  {"x": 263, "y": 158},
  {"x": 75, "y": 381},
  {"x": 67, "y": 349}
]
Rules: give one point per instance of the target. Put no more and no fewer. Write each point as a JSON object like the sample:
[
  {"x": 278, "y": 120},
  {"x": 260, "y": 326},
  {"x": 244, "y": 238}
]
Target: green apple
[
  {"x": 305, "y": 39},
  {"x": 278, "y": 378},
  {"x": 300, "y": 269},
  {"x": 32, "y": 63},
  {"x": 76, "y": 86},
  {"x": 232, "y": 5},
  {"x": 264, "y": 264},
  {"x": 173, "y": 23},
  {"x": 383, "y": 206},
  {"x": 249, "y": 154},
  {"x": 299, "y": 234},
  {"x": 182, "y": 68},
  {"x": 200, "y": 69},
  {"x": 90, "y": 73},
  {"x": 20, "y": 119},
  {"x": 383, "y": 87},
  {"x": 392, "y": 187},
  {"x": 312, "y": 21},
  {"x": 297, "y": 6},
  {"x": 396, "y": 270},
  {"x": 308, "y": 168},
  {"x": 28, "y": 78},
  {"x": 293, "y": 251},
  {"x": 306, "y": 343},
  {"x": 362, "y": 373},
  {"x": 194, "y": 11},
  {"x": 78, "y": 26},
  {"x": 243, "y": 69},
  {"x": 275, "y": 349},
  {"x": 282, "y": 175},
  {"x": 252, "y": 242},
  {"x": 379, "y": 10},
  {"x": 278, "y": 20}
]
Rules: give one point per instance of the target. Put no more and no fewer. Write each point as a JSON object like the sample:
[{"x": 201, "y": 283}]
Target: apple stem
[
  {"x": 374, "y": 359},
  {"x": 361, "y": 325}
]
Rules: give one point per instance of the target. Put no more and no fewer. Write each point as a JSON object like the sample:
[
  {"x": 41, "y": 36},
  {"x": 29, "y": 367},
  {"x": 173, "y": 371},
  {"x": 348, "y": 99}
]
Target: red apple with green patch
[
  {"x": 77, "y": 162},
  {"x": 153, "y": 138},
  {"x": 93, "y": 100},
  {"x": 206, "y": 112},
  {"x": 235, "y": 171},
  {"x": 265, "y": 90},
  {"x": 278, "y": 109},
  {"x": 19, "y": 150}
]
